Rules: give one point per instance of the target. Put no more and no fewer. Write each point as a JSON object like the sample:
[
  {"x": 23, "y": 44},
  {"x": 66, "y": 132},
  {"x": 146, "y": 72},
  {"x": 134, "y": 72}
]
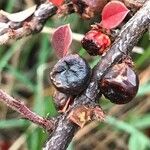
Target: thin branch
[
  {"x": 31, "y": 25},
  {"x": 34, "y": 23},
  {"x": 123, "y": 45},
  {"x": 25, "y": 112}
]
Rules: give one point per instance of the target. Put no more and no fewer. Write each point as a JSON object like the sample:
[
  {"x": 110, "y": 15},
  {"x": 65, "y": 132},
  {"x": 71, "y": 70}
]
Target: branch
[
  {"x": 24, "y": 111},
  {"x": 32, "y": 24},
  {"x": 10, "y": 29},
  {"x": 128, "y": 37}
]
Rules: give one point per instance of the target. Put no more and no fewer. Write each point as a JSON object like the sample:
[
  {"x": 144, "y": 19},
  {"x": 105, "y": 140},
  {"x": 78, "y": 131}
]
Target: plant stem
[{"x": 24, "y": 111}]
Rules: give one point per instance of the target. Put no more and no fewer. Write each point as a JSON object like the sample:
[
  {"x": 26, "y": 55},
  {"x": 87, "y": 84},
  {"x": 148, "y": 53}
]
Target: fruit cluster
[
  {"x": 71, "y": 75},
  {"x": 120, "y": 83}
]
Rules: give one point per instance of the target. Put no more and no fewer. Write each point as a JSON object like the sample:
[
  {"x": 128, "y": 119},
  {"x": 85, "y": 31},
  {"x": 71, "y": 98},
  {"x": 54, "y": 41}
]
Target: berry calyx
[{"x": 95, "y": 42}]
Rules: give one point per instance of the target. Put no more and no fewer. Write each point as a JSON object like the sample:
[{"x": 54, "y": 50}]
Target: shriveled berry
[
  {"x": 120, "y": 84},
  {"x": 71, "y": 74},
  {"x": 95, "y": 42}
]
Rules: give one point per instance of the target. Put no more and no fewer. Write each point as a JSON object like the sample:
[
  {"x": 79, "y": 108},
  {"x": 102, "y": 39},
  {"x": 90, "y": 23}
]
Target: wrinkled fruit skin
[
  {"x": 71, "y": 75},
  {"x": 95, "y": 42},
  {"x": 120, "y": 84}
]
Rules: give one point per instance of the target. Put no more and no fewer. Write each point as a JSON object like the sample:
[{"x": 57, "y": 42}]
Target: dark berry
[
  {"x": 60, "y": 99},
  {"x": 71, "y": 74},
  {"x": 120, "y": 84},
  {"x": 96, "y": 5},
  {"x": 95, "y": 42}
]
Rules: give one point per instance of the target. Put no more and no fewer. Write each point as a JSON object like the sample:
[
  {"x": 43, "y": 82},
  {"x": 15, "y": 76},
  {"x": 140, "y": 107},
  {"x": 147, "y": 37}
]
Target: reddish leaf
[
  {"x": 61, "y": 40},
  {"x": 113, "y": 14},
  {"x": 57, "y": 2}
]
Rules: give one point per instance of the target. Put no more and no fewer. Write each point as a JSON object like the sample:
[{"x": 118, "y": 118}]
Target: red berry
[
  {"x": 95, "y": 42},
  {"x": 120, "y": 84}
]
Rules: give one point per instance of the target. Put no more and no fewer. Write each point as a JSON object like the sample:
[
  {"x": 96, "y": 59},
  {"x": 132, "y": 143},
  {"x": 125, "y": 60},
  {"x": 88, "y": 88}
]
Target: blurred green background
[{"x": 24, "y": 69}]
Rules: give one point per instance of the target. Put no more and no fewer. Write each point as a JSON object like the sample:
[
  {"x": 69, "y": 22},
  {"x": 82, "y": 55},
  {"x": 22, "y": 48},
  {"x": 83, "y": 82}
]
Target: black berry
[
  {"x": 120, "y": 84},
  {"x": 71, "y": 74}
]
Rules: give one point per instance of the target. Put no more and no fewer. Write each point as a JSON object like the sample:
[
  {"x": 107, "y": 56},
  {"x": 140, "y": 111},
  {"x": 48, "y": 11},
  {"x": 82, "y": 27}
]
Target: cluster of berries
[{"x": 71, "y": 75}]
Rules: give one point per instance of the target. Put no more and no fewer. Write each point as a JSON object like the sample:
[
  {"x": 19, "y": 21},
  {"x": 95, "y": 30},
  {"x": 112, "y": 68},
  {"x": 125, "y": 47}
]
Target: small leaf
[
  {"x": 19, "y": 16},
  {"x": 57, "y": 2},
  {"x": 113, "y": 14},
  {"x": 61, "y": 40}
]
